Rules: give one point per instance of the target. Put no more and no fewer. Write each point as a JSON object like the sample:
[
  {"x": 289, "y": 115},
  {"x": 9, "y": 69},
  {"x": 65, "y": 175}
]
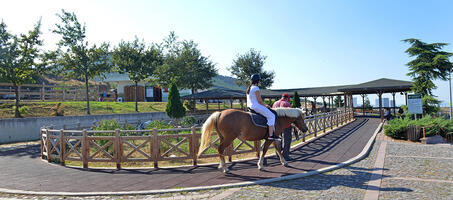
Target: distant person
[
  {"x": 388, "y": 114},
  {"x": 400, "y": 111},
  {"x": 287, "y": 132}
]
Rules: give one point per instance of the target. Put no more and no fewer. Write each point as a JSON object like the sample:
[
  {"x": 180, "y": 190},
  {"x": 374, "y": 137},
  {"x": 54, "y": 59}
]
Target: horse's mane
[{"x": 289, "y": 112}]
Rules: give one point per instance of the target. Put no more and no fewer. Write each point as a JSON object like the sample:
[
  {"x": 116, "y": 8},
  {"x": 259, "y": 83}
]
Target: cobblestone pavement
[{"x": 422, "y": 171}]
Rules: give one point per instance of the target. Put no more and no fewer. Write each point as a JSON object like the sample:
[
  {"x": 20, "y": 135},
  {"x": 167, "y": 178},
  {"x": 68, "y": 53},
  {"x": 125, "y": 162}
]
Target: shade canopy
[{"x": 382, "y": 85}]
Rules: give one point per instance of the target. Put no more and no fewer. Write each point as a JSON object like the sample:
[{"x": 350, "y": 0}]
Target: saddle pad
[{"x": 258, "y": 120}]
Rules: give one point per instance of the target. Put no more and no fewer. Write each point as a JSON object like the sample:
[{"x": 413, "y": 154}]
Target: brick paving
[{"x": 22, "y": 168}]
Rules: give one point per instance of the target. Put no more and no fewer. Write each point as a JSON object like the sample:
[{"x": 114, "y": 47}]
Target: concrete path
[{"x": 22, "y": 169}]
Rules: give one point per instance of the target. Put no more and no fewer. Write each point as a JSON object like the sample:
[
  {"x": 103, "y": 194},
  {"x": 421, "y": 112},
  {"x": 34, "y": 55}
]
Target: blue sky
[{"x": 307, "y": 43}]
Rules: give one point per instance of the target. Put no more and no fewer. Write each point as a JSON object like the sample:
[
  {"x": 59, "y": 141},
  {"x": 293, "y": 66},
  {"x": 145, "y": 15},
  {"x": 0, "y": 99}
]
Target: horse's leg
[
  {"x": 278, "y": 149},
  {"x": 221, "y": 148},
  {"x": 266, "y": 145}
]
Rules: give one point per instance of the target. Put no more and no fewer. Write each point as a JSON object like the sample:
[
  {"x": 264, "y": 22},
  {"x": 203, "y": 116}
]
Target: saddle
[{"x": 258, "y": 119}]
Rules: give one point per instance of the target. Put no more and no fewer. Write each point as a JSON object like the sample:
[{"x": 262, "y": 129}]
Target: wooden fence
[
  {"x": 156, "y": 145},
  {"x": 42, "y": 92}
]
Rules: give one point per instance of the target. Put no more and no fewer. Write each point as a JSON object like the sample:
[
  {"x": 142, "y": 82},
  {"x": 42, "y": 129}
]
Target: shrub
[
  {"x": 397, "y": 128},
  {"x": 189, "y": 105},
  {"x": 174, "y": 108},
  {"x": 58, "y": 109},
  {"x": 296, "y": 100},
  {"x": 188, "y": 121},
  {"x": 23, "y": 110}
]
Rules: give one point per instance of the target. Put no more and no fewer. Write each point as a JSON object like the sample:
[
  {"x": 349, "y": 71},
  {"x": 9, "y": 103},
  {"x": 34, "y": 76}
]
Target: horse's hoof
[
  {"x": 285, "y": 164},
  {"x": 226, "y": 171},
  {"x": 261, "y": 168}
]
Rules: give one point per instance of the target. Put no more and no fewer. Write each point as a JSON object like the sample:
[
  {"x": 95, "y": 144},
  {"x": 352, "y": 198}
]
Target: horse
[{"x": 232, "y": 123}]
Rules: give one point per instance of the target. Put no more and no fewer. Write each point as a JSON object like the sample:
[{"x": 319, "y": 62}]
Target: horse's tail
[{"x": 206, "y": 131}]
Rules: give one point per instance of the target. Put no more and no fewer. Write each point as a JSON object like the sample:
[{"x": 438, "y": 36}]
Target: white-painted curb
[{"x": 360, "y": 156}]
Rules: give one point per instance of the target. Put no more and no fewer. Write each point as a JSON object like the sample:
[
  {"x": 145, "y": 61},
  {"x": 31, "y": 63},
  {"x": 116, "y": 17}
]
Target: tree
[
  {"x": 137, "y": 60},
  {"x": 296, "y": 100},
  {"x": 430, "y": 63},
  {"x": 18, "y": 57},
  {"x": 335, "y": 101},
  {"x": 184, "y": 65},
  {"x": 78, "y": 59},
  {"x": 174, "y": 108},
  {"x": 252, "y": 62},
  {"x": 430, "y": 105},
  {"x": 197, "y": 70},
  {"x": 366, "y": 103}
]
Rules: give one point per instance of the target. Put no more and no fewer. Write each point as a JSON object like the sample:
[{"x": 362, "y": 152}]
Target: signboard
[
  {"x": 414, "y": 103},
  {"x": 150, "y": 92}
]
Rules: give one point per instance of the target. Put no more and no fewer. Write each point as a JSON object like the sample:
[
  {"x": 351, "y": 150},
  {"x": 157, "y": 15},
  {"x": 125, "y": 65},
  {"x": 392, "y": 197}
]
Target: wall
[{"x": 27, "y": 129}]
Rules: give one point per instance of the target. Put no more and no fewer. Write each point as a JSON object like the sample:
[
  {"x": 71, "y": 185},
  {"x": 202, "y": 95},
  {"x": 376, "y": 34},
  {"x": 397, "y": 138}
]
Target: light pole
[{"x": 449, "y": 81}]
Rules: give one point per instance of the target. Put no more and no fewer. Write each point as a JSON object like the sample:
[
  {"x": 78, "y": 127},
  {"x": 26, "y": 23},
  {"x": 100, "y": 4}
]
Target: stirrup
[{"x": 273, "y": 137}]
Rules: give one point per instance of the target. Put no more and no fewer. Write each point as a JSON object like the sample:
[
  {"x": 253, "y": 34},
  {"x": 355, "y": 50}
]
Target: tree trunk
[
  {"x": 194, "y": 103},
  {"x": 87, "y": 95},
  {"x": 16, "y": 91},
  {"x": 136, "y": 96}
]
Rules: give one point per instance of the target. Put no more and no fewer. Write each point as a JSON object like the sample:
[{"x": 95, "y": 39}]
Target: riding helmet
[{"x": 255, "y": 77}]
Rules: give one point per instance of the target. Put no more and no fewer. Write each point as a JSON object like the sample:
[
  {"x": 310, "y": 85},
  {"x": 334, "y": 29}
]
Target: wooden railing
[
  {"x": 119, "y": 146},
  {"x": 42, "y": 92}
]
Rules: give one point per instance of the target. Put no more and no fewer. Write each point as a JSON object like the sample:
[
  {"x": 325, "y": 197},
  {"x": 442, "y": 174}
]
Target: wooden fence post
[
  {"x": 62, "y": 147},
  {"x": 316, "y": 126},
  {"x": 48, "y": 145},
  {"x": 117, "y": 147},
  {"x": 155, "y": 148},
  {"x": 85, "y": 148},
  {"x": 324, "y": 122},
  {"x": 194, "y": 145},
  {"x": 42, "y": 142}
]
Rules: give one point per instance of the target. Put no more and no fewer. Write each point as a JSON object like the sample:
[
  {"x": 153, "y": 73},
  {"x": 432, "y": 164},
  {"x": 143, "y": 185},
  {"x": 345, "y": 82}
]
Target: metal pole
[{"x": 449, "y": 81}]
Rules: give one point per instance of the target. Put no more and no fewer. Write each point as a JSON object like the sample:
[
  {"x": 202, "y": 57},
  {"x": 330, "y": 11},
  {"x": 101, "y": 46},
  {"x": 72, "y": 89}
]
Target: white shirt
[{"x": 252, "y": 101}]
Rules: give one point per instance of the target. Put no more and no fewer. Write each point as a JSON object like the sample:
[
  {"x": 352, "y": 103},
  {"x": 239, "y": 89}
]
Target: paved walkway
[{"x": 22, "y": 169}]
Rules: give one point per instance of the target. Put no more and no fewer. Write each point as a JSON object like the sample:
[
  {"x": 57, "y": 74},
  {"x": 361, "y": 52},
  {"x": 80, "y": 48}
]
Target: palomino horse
[{"x": 231, "y": 124}]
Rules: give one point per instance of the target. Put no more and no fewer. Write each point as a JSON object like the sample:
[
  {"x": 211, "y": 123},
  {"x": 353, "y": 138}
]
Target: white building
[{"x": 151, "y": 92}]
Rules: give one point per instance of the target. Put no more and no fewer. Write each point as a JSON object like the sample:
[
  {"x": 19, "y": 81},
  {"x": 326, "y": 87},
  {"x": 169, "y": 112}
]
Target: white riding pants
[{"x": 265, "y": 112}]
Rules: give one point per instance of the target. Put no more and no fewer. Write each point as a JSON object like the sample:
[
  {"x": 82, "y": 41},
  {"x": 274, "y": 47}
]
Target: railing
[
  {"x": 157, "y": 145},
  {"x": 42, "y": 92}
]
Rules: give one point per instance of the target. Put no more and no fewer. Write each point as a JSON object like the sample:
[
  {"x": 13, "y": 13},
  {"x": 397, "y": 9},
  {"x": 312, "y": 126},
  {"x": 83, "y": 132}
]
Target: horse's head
[{"x": 300, "y": 122}]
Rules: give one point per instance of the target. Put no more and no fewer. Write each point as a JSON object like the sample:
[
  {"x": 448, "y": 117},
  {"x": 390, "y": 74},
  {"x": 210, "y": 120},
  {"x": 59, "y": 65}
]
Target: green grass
[{"x": 76, "y": 108}]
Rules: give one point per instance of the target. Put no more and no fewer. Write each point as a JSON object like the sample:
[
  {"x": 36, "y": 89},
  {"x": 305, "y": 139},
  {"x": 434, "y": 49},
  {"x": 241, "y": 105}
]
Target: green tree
[
  {"x": 336, "y": 99},
  {"x": 79, "y": 60},
  {"x": 430, "y": 63},
  {"x": 174, "y": 108},
  {"x": 18, "y": 56},
  {"x": 296, "y": 100},
  {"x": 430, "y": 105},
  {"x": 197, "y": 70},
  {"x": 252, "y": 62},
  {"x": 137, "y": 60},
  {"x": 184, "y": 65},
  {"x": 367, "y": 104}
]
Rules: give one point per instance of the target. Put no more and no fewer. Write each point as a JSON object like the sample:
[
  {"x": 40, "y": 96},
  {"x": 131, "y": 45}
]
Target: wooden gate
[{"x": 129, "y": 93}]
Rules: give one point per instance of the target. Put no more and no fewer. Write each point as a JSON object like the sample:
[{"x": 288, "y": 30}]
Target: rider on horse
[{"x": 255, "y": 102}]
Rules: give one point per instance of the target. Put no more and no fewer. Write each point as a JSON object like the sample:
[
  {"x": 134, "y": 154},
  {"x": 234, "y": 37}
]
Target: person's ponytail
[{"x": 248, "y": 89}]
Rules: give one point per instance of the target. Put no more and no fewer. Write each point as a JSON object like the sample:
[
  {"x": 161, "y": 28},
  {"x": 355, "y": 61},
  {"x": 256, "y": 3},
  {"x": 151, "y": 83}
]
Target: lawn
[{"x": 44, "y": 109}]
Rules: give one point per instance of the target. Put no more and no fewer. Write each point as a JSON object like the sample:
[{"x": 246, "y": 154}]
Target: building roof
[{"x": 383, "y": 85}]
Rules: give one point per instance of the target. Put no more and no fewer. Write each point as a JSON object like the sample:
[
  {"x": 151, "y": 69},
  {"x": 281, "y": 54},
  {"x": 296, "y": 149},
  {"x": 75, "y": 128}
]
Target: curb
[{"x": 355, "y": 159}]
